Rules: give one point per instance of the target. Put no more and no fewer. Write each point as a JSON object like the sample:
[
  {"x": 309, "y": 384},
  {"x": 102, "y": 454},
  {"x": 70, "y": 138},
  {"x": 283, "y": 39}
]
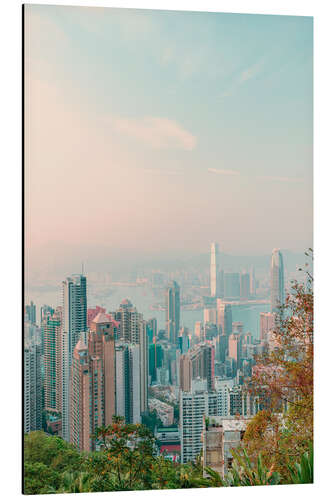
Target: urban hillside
[{"x": 276, "y": 447}]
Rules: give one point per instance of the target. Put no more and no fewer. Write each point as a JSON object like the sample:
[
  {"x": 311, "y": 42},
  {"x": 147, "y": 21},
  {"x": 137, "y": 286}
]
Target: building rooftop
[
  {"x": 167, "y": 429},
  {"x": 80, "y": 346},
  {"x": 101, "y": 318},
  {"x": 229, "y": 423}
]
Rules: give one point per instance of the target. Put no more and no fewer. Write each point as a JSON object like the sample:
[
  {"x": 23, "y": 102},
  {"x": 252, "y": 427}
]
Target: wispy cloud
[
  {"x": 264, "y": 177},
  {"x": 280, "y": 179},
  {"x": 157, "y": 171},
  {"x": 156, "y": 132},
  {"x": 244, "y": 76},
  {"x": 250, "y": 72},
  {"x": 223, "y": 172}
]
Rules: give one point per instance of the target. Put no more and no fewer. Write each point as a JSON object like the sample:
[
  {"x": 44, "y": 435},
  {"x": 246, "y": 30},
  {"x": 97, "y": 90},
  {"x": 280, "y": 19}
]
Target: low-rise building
[
  {"x": 169, "y": 442},
  {"x": 219, "y": 437}
]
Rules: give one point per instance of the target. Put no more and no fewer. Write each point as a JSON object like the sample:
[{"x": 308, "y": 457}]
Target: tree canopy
[{"x": 283, "y": 380}]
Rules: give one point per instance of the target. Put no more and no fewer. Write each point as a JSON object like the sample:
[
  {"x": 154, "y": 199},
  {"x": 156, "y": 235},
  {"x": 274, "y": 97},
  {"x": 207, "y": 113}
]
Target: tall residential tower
[
  {"x": 277, "y": 280},
  {"x": 172, "y": 311},
  {"x": 74, "y": 323}
]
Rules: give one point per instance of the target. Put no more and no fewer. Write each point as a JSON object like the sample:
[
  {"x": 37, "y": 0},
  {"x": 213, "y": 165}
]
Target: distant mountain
[{"x": 128, "y": 263}]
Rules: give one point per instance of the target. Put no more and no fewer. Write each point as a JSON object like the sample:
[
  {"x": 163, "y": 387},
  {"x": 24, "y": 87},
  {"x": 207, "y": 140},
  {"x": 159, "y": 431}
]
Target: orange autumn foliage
[{"x": 283, "y": 382}]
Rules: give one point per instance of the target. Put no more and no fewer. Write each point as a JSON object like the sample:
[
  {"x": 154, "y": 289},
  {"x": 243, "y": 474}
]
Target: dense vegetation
[
  {"x": 276, "y": 449},
  {"x": 128, "y": 463},
  {"x": 283, "y": 378}
]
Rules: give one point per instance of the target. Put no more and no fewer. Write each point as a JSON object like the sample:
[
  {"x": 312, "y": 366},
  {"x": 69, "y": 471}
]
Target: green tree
[
  {"x": 50, "y": 450},
  {"x": 151, "y": 420},
  {"x": 39, "y": 478},
  {"x": 126, "y": 462}
]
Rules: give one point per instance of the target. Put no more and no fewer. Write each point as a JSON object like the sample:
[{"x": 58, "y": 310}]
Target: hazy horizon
[{"x": 157, "y": 132}]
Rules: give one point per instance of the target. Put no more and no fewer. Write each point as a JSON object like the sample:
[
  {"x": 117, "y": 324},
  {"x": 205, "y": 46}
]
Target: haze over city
[{"x": 153, "y": 133}]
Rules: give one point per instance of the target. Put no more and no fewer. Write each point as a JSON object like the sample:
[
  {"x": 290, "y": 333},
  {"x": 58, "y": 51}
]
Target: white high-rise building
[
  {"x": 128, "y": 385},
  {"x": 192, "y": 408},
  {"x": 222, "y": 388},
  {"x": 277, "y": 280},
  {"x": 133, "y": 330},
  {"x": 199, "y": 403},
  {"x": 74, "y": 323},
  {"x": 214, "y": 250}
]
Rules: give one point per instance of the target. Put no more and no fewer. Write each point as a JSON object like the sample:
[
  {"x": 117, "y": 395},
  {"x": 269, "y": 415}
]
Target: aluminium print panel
[{"x": 168, "y": 285}]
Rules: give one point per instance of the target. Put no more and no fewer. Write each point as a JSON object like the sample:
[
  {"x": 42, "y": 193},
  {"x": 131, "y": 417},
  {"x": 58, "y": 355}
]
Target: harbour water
[{"x": 143, "y": 298}]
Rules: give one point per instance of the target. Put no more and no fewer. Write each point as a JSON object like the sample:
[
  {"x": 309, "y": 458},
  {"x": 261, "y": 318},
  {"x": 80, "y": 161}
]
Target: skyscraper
[
  {"x": 79, "y": 403},
  {"x": 192, "y": 408},
  {"x": 101, "y": 343},
  {"x": 86, "y": 397},
  {"x": 224, "y": 317},
  {"x": 184, "y": 340},
  {"x": 32, "y": 386},
  {"x": 277, "y": 280},
  {"x": 74, "y": 323},
  {"x": 199, "y": 362},
  {"x": 221, "y": 343},
  {"x": 198, "y": 331},
  {"x": 155, "y": 359},
  {"x": 52, "y": 361},
  {"x": 30, "y": 311},
  {"x": 231, "y": 285},
  {"x": 152, "y": 329},
  {"x": 210, "y": 315},
  {"x": 172, "y": 295},
  {"x": 266, "y": 324},
  {"x": 235, "y": 348},
  {"x": 220, "y": 284},
  {"x": 129, "y": 319},
  {"x": 143, "y": 364},
  {"x": 194, "y": 405},
  {"x": 224, "y": 327},
  {"x": 203, "y": 361},
  {"x": 128, "y": 384},
  {"x": 214, "y": 250},
  {"x": 253, "y": 286},
  {"x": 244, "y": 285},
  {"x": 133, "y": 330},
  {"x": 93, "y": 382},
  {"x": 185, "y": 372},
  {"x": 44, "y": 311}
]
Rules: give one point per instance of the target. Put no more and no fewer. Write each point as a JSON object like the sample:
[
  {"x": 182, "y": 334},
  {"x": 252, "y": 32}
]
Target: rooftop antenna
[{"x": 82, "y": 268}]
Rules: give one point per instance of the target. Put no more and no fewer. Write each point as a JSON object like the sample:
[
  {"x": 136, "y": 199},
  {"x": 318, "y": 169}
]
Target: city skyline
[
  {"x": 177, "y": 129},
  {"x": 116, "y": 368},
  {"x": 168, "y": 289}
]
